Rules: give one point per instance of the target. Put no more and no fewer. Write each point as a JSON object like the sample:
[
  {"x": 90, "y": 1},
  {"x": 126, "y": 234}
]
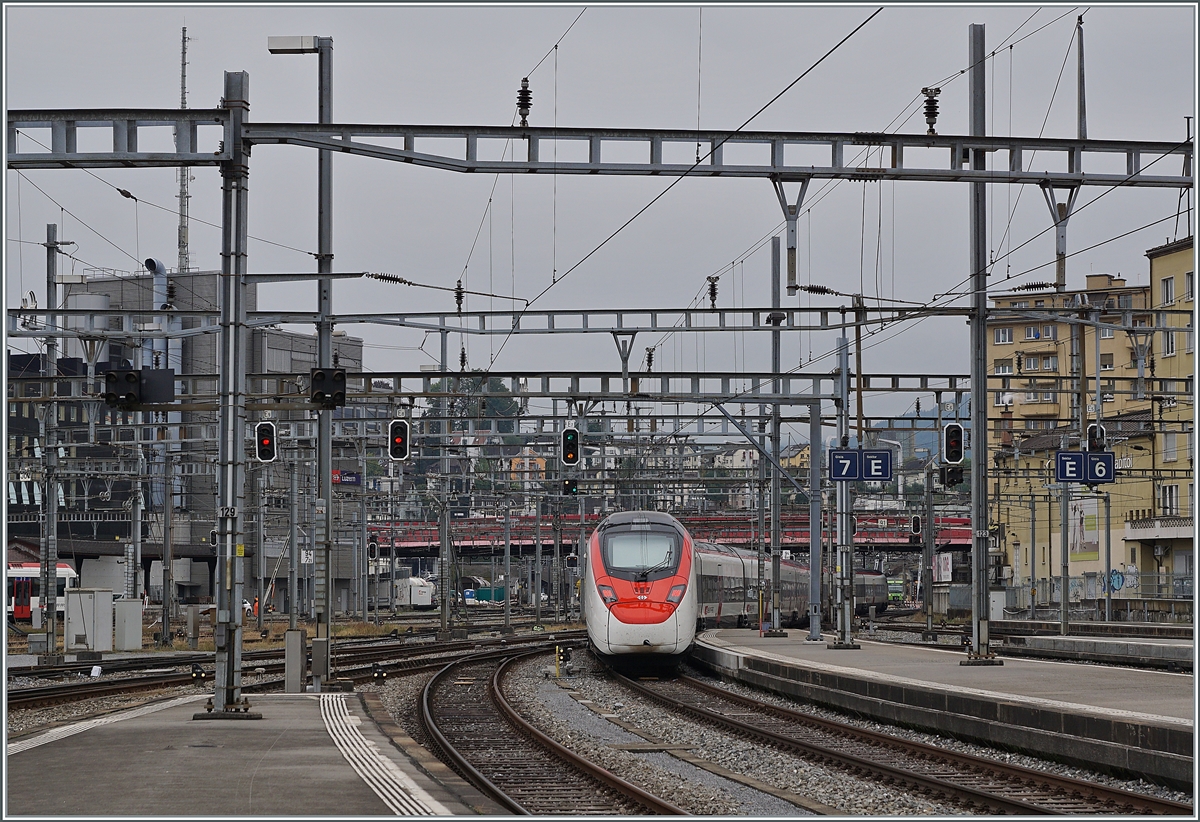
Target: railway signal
[
  {"x": 378, "y": 675},
  {"x": 562, "y": 656},
  {"x": 952, "y": 443},
  {"x": 398, "y": 448},
  {"x": 915, "y": 525},
  {"x": 570, "y": 487},
  {"x": 951, "y": 476},
  {"x": 1096, "y": 439},
  {"x": 569, "y": 450},
  {"x": 123, "y": 388},
  {"x": 264, "y": 442},
  {"x": 327, "y": 387}
]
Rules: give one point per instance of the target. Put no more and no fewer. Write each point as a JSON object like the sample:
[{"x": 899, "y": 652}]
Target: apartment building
[{"x": 1132, "y": 538}]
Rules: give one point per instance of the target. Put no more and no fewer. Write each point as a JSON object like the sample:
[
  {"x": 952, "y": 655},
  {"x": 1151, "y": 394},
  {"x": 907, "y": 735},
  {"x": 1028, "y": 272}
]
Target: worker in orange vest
[{"x": 256, "y": 606}]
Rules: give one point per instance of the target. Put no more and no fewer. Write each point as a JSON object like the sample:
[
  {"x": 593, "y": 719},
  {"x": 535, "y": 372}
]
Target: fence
[{"x": 1135, "y": 596}]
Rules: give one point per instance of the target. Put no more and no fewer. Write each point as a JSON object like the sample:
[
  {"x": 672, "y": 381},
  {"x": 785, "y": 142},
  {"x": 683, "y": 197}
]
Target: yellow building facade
[{"x": 1132, "y": 539}]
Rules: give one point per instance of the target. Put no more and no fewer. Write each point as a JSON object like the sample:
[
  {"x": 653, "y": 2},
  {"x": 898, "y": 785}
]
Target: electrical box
[
  {"x": 89, "y": 620},
  {"x": 128, "y": 614},
  {"x": 293, "y": 661},
  {"x": 320, "y": 657}
]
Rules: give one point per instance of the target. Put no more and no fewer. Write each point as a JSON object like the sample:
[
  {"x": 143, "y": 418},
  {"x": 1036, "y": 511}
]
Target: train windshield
[{"x": 644, "y": 553}]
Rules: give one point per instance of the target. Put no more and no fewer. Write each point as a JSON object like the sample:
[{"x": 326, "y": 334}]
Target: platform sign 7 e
[
  {"x": 1089, "y": 468},
  {"x": 851, "y": 465}
]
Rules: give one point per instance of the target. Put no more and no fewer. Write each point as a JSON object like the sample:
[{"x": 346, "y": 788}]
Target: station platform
[
  {"x": 332, "y": 754},
  {"x": 1129, "y": 722}
]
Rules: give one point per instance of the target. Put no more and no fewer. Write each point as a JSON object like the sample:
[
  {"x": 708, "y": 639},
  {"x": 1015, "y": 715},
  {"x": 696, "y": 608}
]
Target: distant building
[
  {"x": 103, "y": 445},
  {"x": 1145, "y": 552}
]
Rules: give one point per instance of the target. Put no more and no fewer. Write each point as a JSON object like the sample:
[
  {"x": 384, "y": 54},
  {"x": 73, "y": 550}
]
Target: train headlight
[
  {"x": 676, "y": 593},
  {"x": 607, "y": 594}
]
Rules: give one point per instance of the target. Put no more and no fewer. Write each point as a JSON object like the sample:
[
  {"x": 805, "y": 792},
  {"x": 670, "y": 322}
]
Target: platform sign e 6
[{"x": 1090, "y": 468}]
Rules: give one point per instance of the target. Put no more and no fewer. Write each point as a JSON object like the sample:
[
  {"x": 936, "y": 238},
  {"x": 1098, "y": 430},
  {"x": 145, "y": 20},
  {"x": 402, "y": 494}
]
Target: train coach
[
  {"x": 648, "y": 587},
  {"x": 24, "y": 594},
  {"x": 728, "y": 582}
]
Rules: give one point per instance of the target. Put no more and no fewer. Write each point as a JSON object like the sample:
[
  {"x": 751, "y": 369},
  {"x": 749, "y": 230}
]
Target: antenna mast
[{"x": 184, "y": 173}]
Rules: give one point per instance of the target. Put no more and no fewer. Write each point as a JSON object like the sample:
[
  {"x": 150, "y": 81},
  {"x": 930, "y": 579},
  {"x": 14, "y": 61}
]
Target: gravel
[
  {"x": 849, "y": 794},
  {"x": 551, "y": 708}
]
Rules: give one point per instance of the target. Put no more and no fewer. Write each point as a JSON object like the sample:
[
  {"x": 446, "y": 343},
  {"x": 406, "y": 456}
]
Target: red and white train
[
  {"x": 24, "y": 594},
  {"x": 648, "y": 587}
]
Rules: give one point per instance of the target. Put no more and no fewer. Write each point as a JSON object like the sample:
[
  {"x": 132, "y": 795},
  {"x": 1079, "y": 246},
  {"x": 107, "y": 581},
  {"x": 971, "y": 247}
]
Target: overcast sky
[{"x": 635, "y": 67}]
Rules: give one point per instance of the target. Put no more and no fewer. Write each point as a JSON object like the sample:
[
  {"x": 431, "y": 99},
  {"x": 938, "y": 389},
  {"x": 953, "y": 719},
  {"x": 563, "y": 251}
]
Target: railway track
[
  {"x": 355, "y": 663},
  {"x": 476, "y": 731},
  {"x": 979, "y": 784}
]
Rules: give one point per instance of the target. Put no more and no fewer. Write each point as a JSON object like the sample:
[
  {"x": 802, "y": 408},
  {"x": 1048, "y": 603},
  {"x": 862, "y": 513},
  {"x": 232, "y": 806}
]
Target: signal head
[
  {"x": 265, "y": 448},
  {"x": 569, "y": 451},
  {"x": 398, "y": 447},
  {"x": 952, "y": 444}
]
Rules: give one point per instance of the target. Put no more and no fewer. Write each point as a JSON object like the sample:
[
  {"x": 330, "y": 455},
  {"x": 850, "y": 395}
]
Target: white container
[
  {"x": 129, "y": 624},
  {"x": 89, "y": 620}
]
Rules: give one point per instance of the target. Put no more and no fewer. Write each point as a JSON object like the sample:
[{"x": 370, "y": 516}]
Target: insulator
[
  {"x": 458, "y": 295},
  {"x": 931, "y": 107},
  {"x": 816, "y": 289},
  {"x": 335, "y": 359},
  {"x": 524, "y": 101},
  {"x": 462, "y": 358},
  {"x": 649, "y": 358},
  {"x": 712, "y": 291},
  {"x": 171, "y": 291},
  {"x": 918, "y": 406}
]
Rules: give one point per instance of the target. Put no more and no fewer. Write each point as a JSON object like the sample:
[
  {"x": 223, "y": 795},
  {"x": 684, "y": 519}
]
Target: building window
[
  {"x": 1031, "y": 425},
  {"x": 1188, "y": 344},
  {"x": 1020, "y": 304},
  {"x": 1002, "y": 335},
  {"x": 1049, "y": 332},
  {"x": 1188, "y": 285},
  {"x": 1004, "y": 366},
  {"x": 1110, "y": 390},
  {"x": 1106, "y": 362},
  {"x": 1106, "y": 333},
  {"x": 1050, "y": 363},
  {"x": 1133, "y": 555},
  {"x": 1124, "y": 301},
  {"x": 1049, "y": 396},
  {"x": 1039, "y": 303},
  {"x": 1168, "y": 343},
  {"x": 1170, "y": 454},
  {"x": 1168, "y": 290},
  {"x": 1032, "y": 333},
  {"x": 1032, "y": 363},
  {"x": 1169, "y": 501}
]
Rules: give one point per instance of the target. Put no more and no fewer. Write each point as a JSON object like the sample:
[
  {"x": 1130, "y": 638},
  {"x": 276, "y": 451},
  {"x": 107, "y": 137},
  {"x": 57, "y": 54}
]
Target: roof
[{"x": 1169, "y": 248}]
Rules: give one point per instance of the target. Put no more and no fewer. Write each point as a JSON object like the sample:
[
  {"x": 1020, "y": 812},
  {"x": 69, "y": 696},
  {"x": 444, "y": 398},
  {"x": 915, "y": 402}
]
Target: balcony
[{"x": 1152, "y": 528}]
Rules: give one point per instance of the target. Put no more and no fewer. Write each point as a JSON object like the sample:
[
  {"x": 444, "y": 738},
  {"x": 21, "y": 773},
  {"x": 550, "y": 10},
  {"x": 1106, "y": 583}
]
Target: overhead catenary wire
[
  {"x": 681, "y": 177},
  {"x": 173, "y": 212}
]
